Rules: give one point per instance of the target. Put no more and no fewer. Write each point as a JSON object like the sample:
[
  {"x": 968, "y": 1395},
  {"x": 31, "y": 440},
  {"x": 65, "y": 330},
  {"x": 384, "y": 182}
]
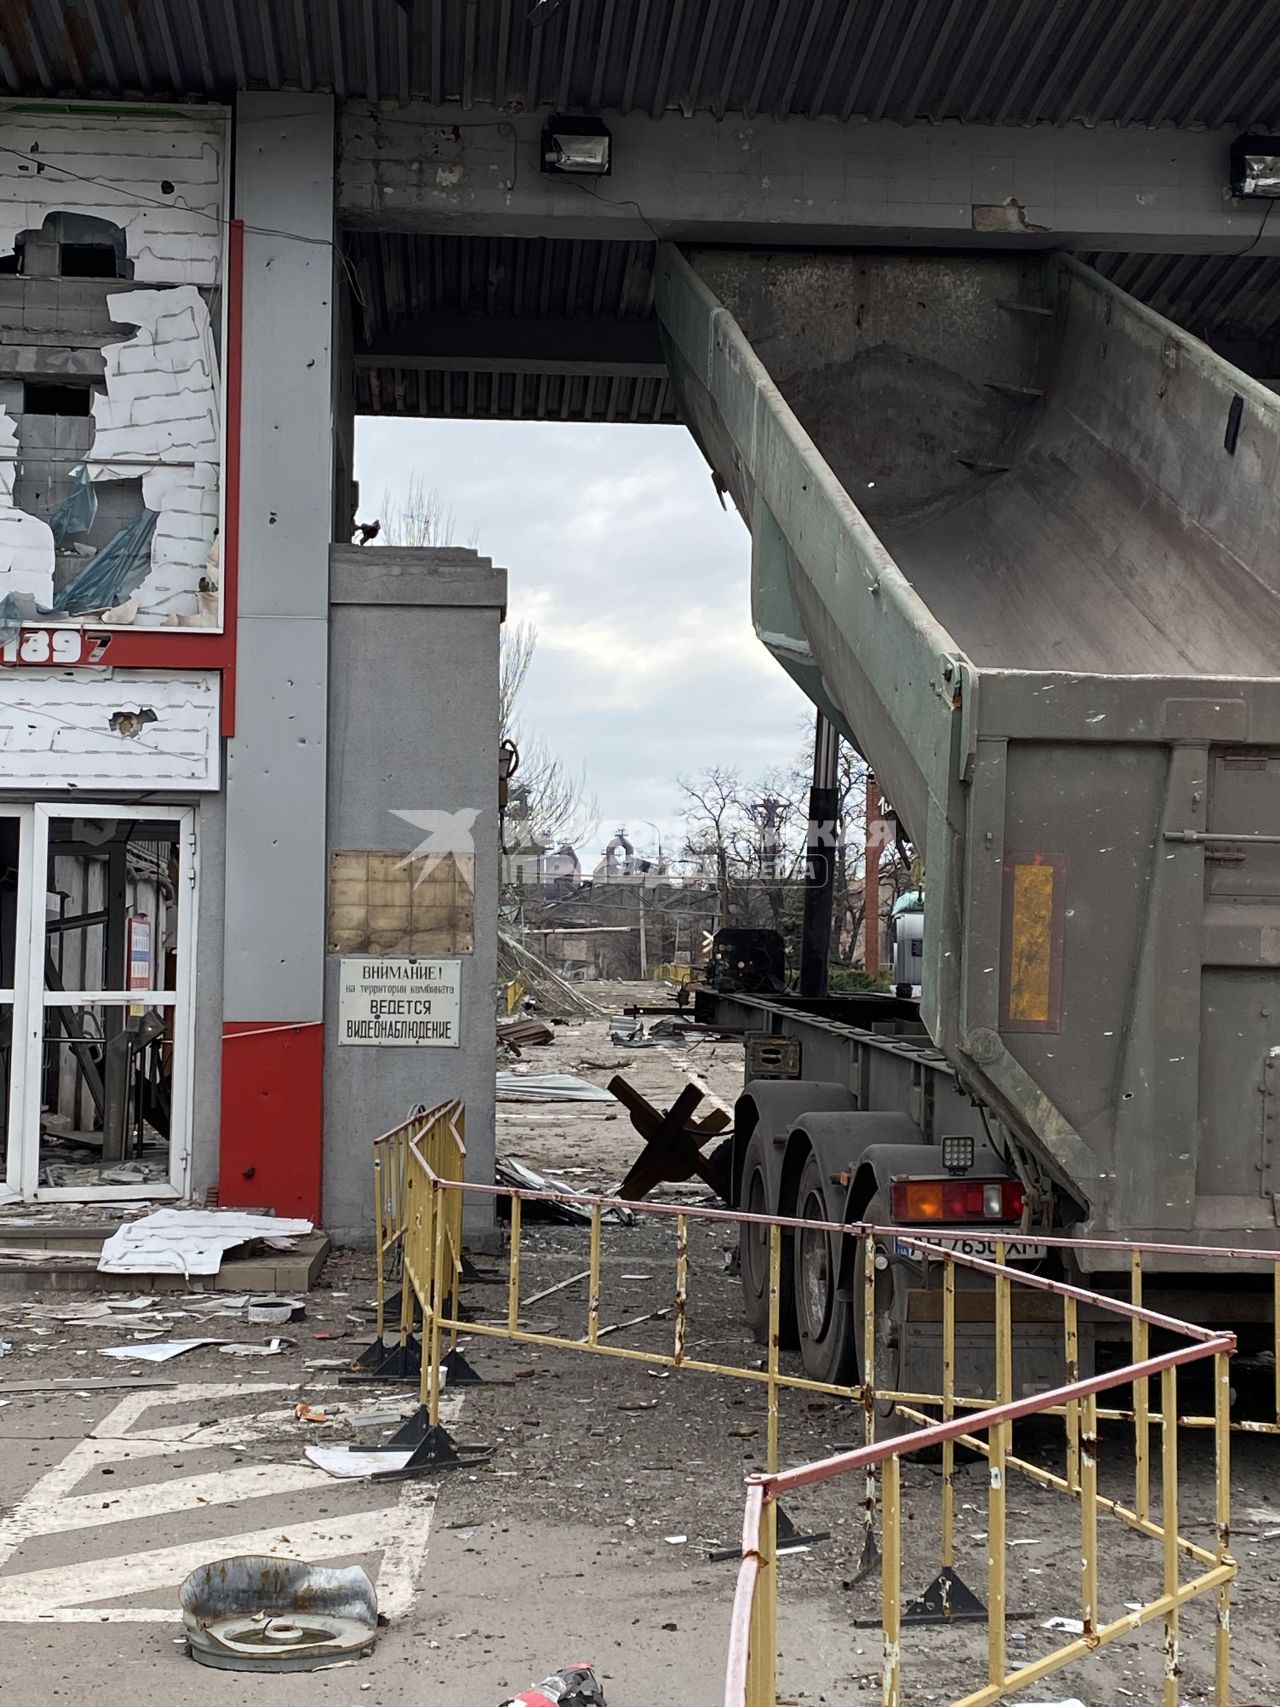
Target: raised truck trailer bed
[{"x": 1014, "y": 535}]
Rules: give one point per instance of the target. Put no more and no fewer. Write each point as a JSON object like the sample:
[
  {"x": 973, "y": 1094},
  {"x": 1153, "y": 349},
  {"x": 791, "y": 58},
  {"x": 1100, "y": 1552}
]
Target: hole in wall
[
  {"x": 43, "y": 397},
  {"x": 88, "y": 261}
]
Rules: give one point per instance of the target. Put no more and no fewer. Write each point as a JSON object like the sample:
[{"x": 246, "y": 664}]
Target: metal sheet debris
[
  {"x": 255, "y": 1613},
  {"x": 154, "y": 1351},
  {"x": 549, "y": 1087},
  {"x": 348, "y": 1464},
  {"x": 520, "y": 1032},
  {"x": 91, "y": 1384},
  {"x": 192, "y": 1241},
  {"x": 512, "y": 1173}
]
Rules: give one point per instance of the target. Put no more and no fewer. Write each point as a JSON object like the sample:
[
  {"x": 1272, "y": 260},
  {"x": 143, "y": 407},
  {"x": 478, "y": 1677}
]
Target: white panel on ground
[
  {"x": 159, "y": 179},
  {"x": 70, "y": 729}
]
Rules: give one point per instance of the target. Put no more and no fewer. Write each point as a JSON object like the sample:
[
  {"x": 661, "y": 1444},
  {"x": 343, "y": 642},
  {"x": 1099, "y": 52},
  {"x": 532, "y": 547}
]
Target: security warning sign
[{"x": 413, "y": 1003}]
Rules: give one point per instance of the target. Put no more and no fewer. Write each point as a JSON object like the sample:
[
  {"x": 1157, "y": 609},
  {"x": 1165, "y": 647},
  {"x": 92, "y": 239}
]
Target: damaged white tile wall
[
  {"x": 56, "y": 729},
  {"x": 162, "y": 182},
  {"x": 26, "y": 543},
  {"x": 161, "y": 408}
]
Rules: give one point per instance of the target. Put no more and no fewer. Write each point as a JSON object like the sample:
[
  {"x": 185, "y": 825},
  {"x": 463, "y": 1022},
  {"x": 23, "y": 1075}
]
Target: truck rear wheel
[
  {"x": 825, "y": 1320},
  {"x": 753, "y": 1249}
]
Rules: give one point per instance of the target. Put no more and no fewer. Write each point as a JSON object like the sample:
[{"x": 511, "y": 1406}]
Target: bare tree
[
  {"x": 549, "y": 805},
  {"x": 746, "y": 833},
  {"x": 421, "y": 518},
  {"x": 519, "y": 642},
  {"x": 754, "y": 834}
]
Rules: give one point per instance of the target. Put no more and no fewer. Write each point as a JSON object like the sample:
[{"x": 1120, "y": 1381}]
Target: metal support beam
[
  {"x": 958, "y": 185},
  {"x": 824, "y": 806}
]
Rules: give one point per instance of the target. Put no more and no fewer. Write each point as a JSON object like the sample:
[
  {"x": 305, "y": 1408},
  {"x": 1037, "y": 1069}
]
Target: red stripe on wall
[{"x": 272, "y": 1117}]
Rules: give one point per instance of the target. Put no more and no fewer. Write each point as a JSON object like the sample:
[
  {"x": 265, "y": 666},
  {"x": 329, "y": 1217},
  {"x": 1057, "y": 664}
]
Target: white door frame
[
  {"x": 20, "y": 995},
  {"x": 31, "y": 1000}
]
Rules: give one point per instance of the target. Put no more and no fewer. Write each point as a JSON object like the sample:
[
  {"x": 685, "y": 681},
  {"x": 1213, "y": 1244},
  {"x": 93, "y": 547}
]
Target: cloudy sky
[{"x": 618, "y": 552}]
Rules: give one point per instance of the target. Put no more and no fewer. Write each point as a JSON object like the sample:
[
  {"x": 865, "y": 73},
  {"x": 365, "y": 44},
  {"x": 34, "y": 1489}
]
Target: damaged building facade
[{"x": 247, "y": 884}]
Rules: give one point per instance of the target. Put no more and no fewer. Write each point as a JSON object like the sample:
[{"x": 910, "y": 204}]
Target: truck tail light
[{"x": 913, "y": 1201}]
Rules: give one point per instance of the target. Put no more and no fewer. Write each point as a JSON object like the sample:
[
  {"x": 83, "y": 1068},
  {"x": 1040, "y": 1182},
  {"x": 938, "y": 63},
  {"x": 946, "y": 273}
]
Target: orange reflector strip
[{"x": 1031, "y": 942}]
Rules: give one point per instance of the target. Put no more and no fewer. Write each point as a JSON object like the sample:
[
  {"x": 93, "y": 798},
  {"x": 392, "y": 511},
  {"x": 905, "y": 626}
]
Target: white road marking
[
  {"x": 43, "y": 1594},
  {"x": 182, "y": 1493},
  {"x": 72, "y": 1593}
]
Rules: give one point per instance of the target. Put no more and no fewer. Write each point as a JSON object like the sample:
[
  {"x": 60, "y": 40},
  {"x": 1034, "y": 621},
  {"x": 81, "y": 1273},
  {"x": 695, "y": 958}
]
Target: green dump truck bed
[{"x": 1018, "y": 537}]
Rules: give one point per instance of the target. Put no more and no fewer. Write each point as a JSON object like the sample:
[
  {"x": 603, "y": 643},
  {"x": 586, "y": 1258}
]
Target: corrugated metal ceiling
[
  {"x": 401, "y": 276},
  {"x": 1220, "y": 298},
  {"x": 402, "y": 279},
  {"x": 513, "y": 396},
  {"x": 1143, "y": 62}
]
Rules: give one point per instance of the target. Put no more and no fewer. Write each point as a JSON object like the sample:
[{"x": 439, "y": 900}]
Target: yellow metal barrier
[
  {"x": 420, "y": 1200},
  {"x": 430, "y": 1145},
  {"x": 750, "y": 1680}
]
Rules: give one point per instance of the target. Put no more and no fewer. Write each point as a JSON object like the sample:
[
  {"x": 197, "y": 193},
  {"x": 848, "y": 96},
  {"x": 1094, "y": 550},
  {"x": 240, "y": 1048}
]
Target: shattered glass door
[{"x": 112, "y": 1052}]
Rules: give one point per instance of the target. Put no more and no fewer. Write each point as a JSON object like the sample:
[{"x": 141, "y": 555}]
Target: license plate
[{"x": 974, "y": 1245}]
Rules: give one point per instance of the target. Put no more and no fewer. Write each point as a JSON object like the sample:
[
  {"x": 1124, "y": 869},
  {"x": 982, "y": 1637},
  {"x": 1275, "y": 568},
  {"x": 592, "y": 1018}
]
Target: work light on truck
[{"x": 946, "y": 1201}]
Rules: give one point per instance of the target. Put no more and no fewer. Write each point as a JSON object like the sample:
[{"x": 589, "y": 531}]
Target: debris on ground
[
  {"x": 154, "y": 1351},
  {"x": 255, "y": 1613},
  {"x": 549, "y": 1087},
  {"x": 673, "y": 1025},
  {"x": 90, "y": 1384},
  {"x": 192, "y": 1241},
  {"x": 575, "y": 1686},
  {"x": 553, "y": 994},
  {"x": 251, "y": 1348},
  {"x": 511, "y": 1173},
  {"x": 522, "y": 1031},
  {"x": 349, "y": 1463}
]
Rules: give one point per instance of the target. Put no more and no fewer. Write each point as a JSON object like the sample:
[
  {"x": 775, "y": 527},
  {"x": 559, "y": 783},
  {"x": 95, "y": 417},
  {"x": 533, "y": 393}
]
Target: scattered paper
[
  {"x": 346, "y": 1464},
  {"x": 1070, "y": 1627},
  {"x": 156, "y": 1351}
]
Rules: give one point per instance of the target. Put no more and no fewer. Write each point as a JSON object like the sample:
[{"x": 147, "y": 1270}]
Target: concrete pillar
[
  {"x": 413, "y": 756},
  {"x": 275, "y": 852}
]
